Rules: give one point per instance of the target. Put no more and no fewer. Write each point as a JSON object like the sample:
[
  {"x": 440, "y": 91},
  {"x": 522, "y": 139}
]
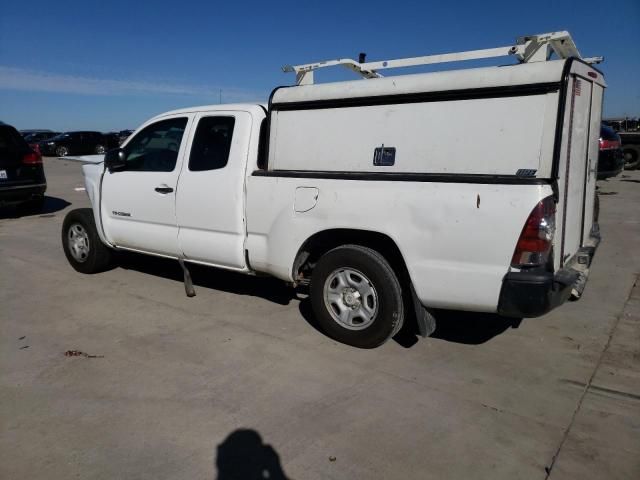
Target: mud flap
[
  {"x": 188, "y": 284},
  {"x": 425, "y": 320}
]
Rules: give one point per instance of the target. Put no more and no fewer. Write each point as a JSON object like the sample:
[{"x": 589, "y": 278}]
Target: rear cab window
[{"x": 211, "y": 144}]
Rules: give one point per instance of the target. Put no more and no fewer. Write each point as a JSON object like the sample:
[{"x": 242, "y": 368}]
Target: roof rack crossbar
[{"x": 531, "y": 48}]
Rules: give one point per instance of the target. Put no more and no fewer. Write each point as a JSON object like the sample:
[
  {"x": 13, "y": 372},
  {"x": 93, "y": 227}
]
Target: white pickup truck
[{"x": 467, "y": 189}]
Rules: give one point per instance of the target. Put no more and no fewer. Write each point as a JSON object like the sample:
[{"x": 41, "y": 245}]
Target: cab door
[
  {"x": 138, "y": 203},
  {"x": 210, "y": 201}
]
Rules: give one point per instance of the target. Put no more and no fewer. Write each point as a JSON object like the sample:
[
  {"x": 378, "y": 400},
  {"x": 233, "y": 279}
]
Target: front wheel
[
  {"x": 62, "y": 151},
  {"x": 100, "y": 149},
  {"x": 81, "y": 244},
  {"x": 356, "y": 296}
]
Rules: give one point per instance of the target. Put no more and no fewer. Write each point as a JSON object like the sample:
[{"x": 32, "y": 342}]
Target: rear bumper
[
  {"x": 532, "y": 294},
  {"x": 19, "y": 193}
]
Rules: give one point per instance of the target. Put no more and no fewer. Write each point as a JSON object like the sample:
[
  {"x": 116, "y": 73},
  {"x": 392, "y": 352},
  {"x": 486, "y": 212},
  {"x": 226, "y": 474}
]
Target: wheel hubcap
[
  {"x": 78, "y": 241},
  {"x": 350, "y": 298}
]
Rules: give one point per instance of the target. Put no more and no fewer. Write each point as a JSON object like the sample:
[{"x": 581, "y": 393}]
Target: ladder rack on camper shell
[{"x": 531, "y": 48}]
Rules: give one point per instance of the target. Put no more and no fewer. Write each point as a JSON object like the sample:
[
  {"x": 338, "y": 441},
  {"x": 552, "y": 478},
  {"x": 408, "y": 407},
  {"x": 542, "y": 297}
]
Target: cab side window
[
  {"x": 155, "y": 148},
  {"x": 211, "y": 144}
]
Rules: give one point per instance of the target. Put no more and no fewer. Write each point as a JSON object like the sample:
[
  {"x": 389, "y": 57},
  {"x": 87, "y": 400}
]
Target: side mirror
[{"x": 115, "y": 160}]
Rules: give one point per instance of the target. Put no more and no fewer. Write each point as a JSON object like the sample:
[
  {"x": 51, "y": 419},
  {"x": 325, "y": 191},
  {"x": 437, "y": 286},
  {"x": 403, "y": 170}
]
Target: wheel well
[{"x": 320, "y": 243}]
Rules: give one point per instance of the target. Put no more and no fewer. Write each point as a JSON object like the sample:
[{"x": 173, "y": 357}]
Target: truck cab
[{"x": 176, "y": 187}]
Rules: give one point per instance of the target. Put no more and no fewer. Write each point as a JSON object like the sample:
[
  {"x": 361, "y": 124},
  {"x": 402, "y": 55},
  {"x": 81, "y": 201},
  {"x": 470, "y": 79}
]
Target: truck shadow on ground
[
  {"x": 268, "y": 288},
  {"x": 243, "y": 455},
  {"x": 50, "y": 207},
  {"x": 452, "y": 326},
  {"x": 469, "y": 328}
]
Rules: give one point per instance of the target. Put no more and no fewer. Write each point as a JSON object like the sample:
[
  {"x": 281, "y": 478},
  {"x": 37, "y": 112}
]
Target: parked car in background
[
  {"x": 124, "y": 134},
  {"x": 74, "y": 143},
  {"x": 21, "y": 174},
  {"x": 111, "y": 140},
  {"x": 37, "y": 137},
  {"x": 610, "y": 157},
  {"x": 24, "y": 133},
  {"x": 630, "y": 149}
]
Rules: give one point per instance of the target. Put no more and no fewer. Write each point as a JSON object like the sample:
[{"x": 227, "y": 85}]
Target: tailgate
[{"x": 578, "y": 160}]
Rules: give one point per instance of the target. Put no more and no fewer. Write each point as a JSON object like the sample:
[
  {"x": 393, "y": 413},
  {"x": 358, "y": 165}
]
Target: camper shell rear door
[{"x": 576, "y": 159}]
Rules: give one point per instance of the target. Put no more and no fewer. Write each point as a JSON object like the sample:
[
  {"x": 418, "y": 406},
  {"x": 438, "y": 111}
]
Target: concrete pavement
[{"x": 236, "y": 381}]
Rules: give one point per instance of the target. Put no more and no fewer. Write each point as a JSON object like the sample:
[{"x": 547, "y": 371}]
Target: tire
[
  {"x": 631, "y": 155},
  {"x": 365, "y": 319},
  {"x": 81, "y": 244},
  {"x": 62, "y": 151},
  {"x": 100, "y": 149}
]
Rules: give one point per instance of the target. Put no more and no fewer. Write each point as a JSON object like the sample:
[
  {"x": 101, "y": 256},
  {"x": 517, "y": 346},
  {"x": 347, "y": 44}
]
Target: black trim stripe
[
  {"x": 562, "y": 101},
  {"x": 404, "y": 177},
  {"x": 422, "y": 97}
]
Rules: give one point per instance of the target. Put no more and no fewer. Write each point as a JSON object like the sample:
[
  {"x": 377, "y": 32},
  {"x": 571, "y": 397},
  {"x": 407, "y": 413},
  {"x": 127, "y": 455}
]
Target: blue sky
[{"x": 78, "y": 65}]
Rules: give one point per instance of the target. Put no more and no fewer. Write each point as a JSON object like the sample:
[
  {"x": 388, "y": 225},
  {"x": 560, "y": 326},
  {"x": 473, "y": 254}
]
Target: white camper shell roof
[
  {"x": 424, "y": 82},
  {"x": 470, "y": 78},
  {"x": 534, "y": 52}
]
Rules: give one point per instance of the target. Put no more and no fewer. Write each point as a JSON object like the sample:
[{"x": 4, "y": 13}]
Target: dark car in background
[
  {"x": 74, "y": 143},
  {"x": 610, "y": 157},
  {"x": 111, "y": 140},
  {"x": 37, "y": 137},
  {"x": 25, "y": 133},
  {"x": 123, "y": 135},
  {"x": 630, "y": 149},
  {"x": 21, "y": 172}
]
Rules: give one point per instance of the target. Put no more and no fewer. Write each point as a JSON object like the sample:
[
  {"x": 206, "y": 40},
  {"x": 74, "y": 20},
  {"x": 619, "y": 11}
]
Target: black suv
[
  {"x": 25, "y": 133},
  {"x": 21, "y": 172},
  {"x": 37, "y": 137},
  {"x": 74, "y": 143}
]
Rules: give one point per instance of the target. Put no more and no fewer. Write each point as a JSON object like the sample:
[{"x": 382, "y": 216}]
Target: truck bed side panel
[{"x": 457, "y": 239}]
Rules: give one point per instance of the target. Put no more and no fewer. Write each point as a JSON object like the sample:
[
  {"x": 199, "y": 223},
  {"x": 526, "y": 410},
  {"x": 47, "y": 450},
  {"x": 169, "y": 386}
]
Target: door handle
[{"x": 164, "y": 189}]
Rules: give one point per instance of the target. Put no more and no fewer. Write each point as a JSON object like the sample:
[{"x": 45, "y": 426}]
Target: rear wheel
[
  {"x": 631, "y": 158},
  {"x": 356, "y": 296},
  {"x": 62, "y": 151},
  {"x": 100, "y": 149},
  {"x": 82, "y": 246}
]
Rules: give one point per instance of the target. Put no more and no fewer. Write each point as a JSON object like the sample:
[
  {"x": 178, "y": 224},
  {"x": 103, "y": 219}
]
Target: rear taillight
[
  {"x": 35, "y": 147},
  {"x": 609, "y": 144},
  {"x": 536, "y": 239},
  {"x": 32, "y": 158}
]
